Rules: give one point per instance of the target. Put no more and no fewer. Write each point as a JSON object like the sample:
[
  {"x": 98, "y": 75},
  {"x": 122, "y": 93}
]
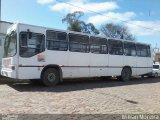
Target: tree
[
  {"x": 116, "y": 31},
  {"x": 75, "y": 24}
]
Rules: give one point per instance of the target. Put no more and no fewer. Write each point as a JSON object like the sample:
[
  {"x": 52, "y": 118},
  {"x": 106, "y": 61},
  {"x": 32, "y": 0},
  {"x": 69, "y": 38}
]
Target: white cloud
[
  {"x": 84, "y": 6},
  {"x": 111, "y": 17},
  {"x": 136, "y": 27},
  {"x": 140, "y": 27},
  {"x": 45, "y": 1}
]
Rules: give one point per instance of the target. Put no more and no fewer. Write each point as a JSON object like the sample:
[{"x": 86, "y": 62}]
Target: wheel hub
[{"x": 51, "y": 77}]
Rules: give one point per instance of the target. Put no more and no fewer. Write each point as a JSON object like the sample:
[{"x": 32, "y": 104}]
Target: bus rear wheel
[
  {"x": 125, "y": 74},
  {"x": 50, "y": 77}
]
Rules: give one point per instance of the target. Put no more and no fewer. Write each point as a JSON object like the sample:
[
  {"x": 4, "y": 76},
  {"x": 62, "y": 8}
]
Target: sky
[{"x": 137, "y": 15}]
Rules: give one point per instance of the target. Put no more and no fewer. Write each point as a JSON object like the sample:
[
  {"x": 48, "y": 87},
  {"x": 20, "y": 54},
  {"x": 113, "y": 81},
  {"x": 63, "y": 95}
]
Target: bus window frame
[
  {"x": 87, "y": 44},
  {"x": 141, "y": 53},
  {"x": 43, "y": 40},
  {"x": 66, "y": 41},
  {"x": 121, "y": 46},
  {"x": 134, "y": 47},
  {"x": 98, "y": 44}
]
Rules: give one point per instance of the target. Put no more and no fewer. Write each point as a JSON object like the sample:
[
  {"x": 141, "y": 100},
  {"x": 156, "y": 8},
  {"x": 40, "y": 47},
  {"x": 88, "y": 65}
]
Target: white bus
[{"x": 51, "y": 55}]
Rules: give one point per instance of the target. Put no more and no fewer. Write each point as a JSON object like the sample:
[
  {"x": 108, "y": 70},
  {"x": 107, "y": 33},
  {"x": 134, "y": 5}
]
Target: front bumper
[{"x": 8, "y": 73}]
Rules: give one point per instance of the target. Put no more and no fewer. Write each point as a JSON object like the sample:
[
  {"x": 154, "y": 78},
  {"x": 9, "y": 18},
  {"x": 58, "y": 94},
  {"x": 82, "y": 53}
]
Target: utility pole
[
  {"x": 0, "y": 16},
  {"x": 0, "y": 10}
]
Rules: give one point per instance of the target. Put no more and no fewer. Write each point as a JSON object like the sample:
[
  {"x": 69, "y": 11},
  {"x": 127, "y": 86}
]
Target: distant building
[
  {"x": 3, "y": 30},
  {"x": 157, "y": 57}
]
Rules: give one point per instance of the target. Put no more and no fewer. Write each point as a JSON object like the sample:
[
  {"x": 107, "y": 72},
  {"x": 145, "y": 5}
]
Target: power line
[{"x": 108, "y": 16}]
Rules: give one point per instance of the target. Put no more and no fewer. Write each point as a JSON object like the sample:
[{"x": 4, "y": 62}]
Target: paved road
[{"x": 140, "y": 95}]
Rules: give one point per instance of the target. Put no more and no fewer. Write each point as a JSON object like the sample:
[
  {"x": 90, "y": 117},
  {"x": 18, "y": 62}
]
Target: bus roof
[{"x": 67, "y": 31}]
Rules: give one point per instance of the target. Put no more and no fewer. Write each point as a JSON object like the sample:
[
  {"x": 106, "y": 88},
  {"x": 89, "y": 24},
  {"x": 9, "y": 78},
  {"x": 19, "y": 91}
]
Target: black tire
[
  {"x": 50, "y": 77},
  {"x": 126, "y": 74}
]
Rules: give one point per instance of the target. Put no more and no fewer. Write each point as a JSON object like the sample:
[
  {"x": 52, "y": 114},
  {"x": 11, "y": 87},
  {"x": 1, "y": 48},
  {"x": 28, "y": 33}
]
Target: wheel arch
[{"x": 53, "y": 66}]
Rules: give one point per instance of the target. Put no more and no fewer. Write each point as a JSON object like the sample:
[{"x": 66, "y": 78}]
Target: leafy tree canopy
[
  {"x": 75, "y": 24},
  {"x": 116, "y": 31}
]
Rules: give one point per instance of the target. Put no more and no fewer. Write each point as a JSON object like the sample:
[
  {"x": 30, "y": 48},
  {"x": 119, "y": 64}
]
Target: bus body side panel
[
  {"x": 142, "y": 65},
  {"x": 30, "y": 67},
  {"x": 7, "y": 70},
  {"x": 59, "y": 58},
  {"x": 131, "y": 61},
  {"x": 150, "y": 65},
  {"x": 115, "y": 65},
  {"x": 78, "y": 65},
  {"x": 98, "y": 65}
]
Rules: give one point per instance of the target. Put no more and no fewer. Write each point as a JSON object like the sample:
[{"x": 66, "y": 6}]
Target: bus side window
[
  {"x": 98, "y": 45},
  {"x": 31, "y": 46},
  {"x": 56, "y": 40},
  {"x": 141, "y": 50},
  {"x": 78, "y": 43},
  {"x": 115, "y": 47},
  {"x": 129, "y": 49}
]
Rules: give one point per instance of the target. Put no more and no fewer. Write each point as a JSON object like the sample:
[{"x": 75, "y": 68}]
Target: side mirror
[
  {"x": 23, "y": 39},
  {"x": 29, "y": 34}
]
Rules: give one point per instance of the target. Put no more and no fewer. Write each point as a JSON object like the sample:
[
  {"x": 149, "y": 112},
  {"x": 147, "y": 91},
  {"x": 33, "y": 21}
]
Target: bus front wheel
[
  {"x": 125, "y": 74},
  {"x": 50, "y": 77}
]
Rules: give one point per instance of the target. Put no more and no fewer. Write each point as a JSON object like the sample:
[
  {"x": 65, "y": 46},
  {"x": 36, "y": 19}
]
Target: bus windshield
[{"x": 10, "y": 45}]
